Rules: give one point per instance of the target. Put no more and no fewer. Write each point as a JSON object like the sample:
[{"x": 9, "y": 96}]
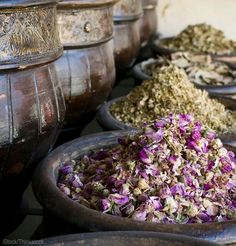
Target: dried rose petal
[{"x": 160, "y": 175}]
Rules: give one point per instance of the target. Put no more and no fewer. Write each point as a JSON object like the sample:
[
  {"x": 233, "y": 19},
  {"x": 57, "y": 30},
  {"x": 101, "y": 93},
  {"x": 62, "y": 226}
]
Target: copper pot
[
  {"x": 31, "y": 102},
  {"x": 149, "y": 20},
  {"x": 86, "y": 70},
  {"x": 126, "y": 16}
]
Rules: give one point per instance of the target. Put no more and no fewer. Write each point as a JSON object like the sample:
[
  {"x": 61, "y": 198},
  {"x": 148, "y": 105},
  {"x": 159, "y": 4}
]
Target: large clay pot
[
  {"x": 126, "y": 16},
  {"x": 31, "y": 101},
  {"x": 56, "y": 202},
  {"x": 86, "y": 70},
  {"x": 149, "y": 21}
]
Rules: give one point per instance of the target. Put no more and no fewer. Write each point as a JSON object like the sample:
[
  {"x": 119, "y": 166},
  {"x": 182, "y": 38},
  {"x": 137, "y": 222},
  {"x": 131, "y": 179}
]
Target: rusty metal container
[
  {"x": 148, "y": 22},
  {"x": 127, "y": 16},
  {"x": 31, "y": 101},
  {"x": 86, "y": 70}
]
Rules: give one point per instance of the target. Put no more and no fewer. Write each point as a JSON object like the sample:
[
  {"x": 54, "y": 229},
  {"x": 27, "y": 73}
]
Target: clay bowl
[
  {"x": 109, "y": 122},
  {"x": 158, "y": 48},
  {"x": 122, "y": 238},
  {"x": 61, "y": 206},
  {"x": 140, "y": 75}
]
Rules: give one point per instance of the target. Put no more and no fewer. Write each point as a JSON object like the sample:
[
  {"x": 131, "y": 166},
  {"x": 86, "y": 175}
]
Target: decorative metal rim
[
  {"x": 24, "y": 3},
  {"x": 93, "y": 44},
  {"x": 25, "y": 62},
  {"x": 74, "y": 4},
  {"x": 127, "y": 18}
]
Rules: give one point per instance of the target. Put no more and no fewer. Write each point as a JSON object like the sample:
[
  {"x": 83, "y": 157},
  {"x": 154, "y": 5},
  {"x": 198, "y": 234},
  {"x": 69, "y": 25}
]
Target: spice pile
[
  {"x": 201, "y": 38},
  {"x": 175, "y": 171},
  {"x": 170, "y": 91},
  {"x": 201, "y": 69}
]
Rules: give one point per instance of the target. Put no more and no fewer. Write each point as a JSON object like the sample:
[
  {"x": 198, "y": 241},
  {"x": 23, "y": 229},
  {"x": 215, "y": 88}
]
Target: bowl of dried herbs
[
  {"x": 200, "y": 39},
  {"x": 214, "y": 76},
  {"x": 169, "y": 91},
  {"x": 173, "y": 175}
]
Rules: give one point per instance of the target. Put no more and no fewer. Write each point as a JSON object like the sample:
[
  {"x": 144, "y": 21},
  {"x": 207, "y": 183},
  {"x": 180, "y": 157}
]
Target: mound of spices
[
  {"x": 174, "y": 171},
  {"x": 201, "y": 38},
  {"x": 171, "y": 91},
  {"x": 201, "y": 69}
]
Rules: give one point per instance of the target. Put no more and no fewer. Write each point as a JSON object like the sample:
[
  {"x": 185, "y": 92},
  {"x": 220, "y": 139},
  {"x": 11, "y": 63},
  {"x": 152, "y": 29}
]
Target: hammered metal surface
[
  {"x": 32, "y": 111},
  {"x": 28, "y": 35},
  {"x": 127, "y": 43},
  {"x": 127, "y": 9},
  {"x": 148, "y": 24},
  {"x": 81, "y": 27},
  {"x": 87, "y": 76}
]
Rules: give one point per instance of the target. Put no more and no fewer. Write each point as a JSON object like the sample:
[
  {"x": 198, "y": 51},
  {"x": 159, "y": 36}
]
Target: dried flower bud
[{"x": 142, "y": 184}]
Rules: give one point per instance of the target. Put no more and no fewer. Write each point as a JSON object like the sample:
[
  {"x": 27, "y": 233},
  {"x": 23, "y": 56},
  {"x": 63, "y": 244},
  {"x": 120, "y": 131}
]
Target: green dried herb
[
  {"x": 201, "y": 69},
  {"x": 170, "y": 91},
  {"x": 201, "y": 38}
]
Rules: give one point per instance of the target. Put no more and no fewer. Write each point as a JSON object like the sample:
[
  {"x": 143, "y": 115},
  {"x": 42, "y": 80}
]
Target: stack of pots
[
  {"x": 31, "y": 101},
  {"x": 127, "y": 16},
  {"x": 86, "y": 70},
  {"x": 149, "y": 21}
]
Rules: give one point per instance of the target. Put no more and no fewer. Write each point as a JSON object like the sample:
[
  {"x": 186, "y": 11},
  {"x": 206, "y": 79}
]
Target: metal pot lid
[
  {"x": 85, "y": 3},
  {"x": 24, "y": 3}
]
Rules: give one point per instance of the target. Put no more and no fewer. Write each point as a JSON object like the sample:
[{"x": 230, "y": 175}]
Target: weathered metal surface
[
  {"x": 86, "y": 26},
  {"x": 24, "y": 3},
  {"x": 126, "y": 16},
  {"x": 127, "y": 43},
  {"x": 32, "y": 111},
  {"x": 148, "y": 24},
  {"x": 87, "y": 76},
  {"x": 28, "y": 35},
  {"x": 127, "y": 10},
  {"x": 86, "y": 70}
]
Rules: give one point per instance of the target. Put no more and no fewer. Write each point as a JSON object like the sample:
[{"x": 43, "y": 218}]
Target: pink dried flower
[{"x": 174, "y": 171}]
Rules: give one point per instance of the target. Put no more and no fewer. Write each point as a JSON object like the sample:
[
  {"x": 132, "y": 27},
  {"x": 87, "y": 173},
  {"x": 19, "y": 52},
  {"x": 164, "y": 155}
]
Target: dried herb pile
[
  {"x": 170, "y": 91},
  {"x": 201, "y": 38},
  {"x": 201, "y": 69},
  {"x": 174, "y": 171}
]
